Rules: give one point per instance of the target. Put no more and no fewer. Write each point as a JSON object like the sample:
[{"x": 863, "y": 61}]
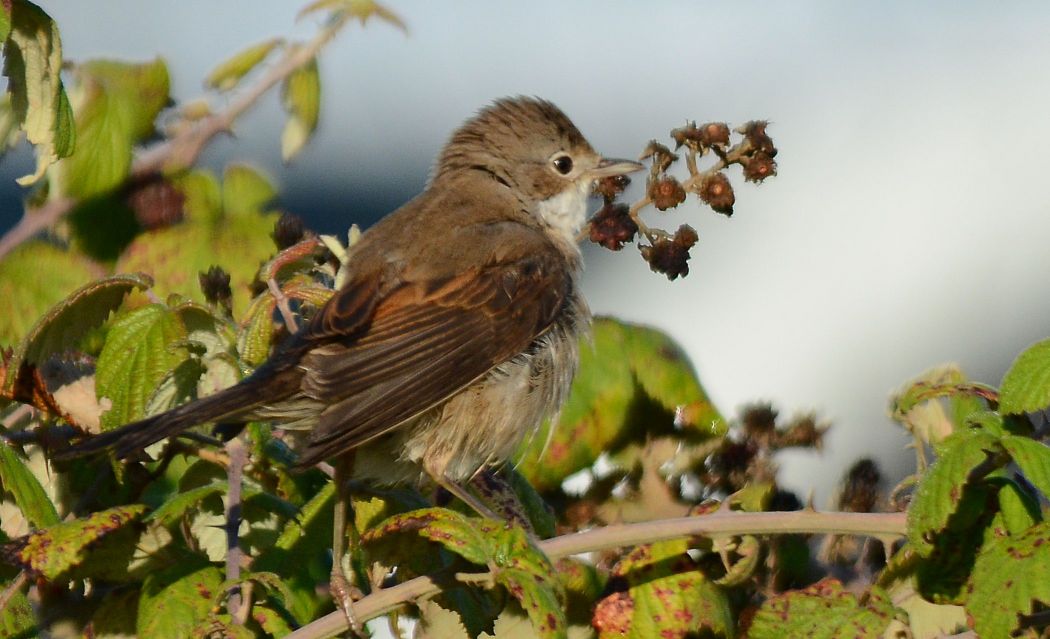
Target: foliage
[{"x": 166, "y": 282}]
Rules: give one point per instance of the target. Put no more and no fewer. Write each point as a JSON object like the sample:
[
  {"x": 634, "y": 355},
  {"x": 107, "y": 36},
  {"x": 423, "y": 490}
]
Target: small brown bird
[{"x": 456, "y": 332}]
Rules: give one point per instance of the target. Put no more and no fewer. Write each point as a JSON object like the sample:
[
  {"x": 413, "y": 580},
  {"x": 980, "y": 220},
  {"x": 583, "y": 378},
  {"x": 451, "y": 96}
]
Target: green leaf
[
  {"x": 610, "y": 402},
  {"x": 176, "y": 600},
  {"x": 1032, "y": 457},
  {"x": 1026, "y": 386},
  {"x": 257, "y": 329},
  {"x": 115, "y": 616},
  {"x": 33, "y": 64},
  {"x": 517, "y": 565},
  {"x": 66, "y": 323},
  {"x": 229, "y": 72},
  {"x": 1007, "y": 581},
  {"x": 34, "y": 277},
  {"x": 245, "y": 190},
  {"x": 942, "y": 489},
  {"x": 360, "y": 9},
  {"x": 929, "y": 420},
  {"x": 667, "y": 596},
  {"x": 1018, "y": 510},
  {"x": 139, "y": 352},
  {"x": 202, "y": 195},
  {"x": 10, "y": 127},
  {"x": 171, "y": 511},
  {"x": 5, "y": 20},
  {"x": 24, "y": 488},
  {"x": 17, "y": 620},
  {"x": 301, "y": 96},
  {"x": 824, "y": 610},
  {"x": 51, "y": 551},
  {"x": 120, "y": 102}
]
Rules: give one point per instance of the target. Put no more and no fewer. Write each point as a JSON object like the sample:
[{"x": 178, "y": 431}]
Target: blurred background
[{"x": 907, "y": 226}]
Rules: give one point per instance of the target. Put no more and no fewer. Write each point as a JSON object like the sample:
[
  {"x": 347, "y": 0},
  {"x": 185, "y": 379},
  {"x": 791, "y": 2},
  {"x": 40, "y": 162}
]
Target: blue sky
[{"x": 907, "y": 227}]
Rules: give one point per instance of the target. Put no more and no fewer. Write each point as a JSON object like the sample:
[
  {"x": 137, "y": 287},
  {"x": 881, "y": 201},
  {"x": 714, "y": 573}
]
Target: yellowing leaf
[
  {"x": 301, "y": 96},
  {"x": 32, "y": 64},
  {"x": 1026, "y": 386},
  {"x": 229, "y": 72}
]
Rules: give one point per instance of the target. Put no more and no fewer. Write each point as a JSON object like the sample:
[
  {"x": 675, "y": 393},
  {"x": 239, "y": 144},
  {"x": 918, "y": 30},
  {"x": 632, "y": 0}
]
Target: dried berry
[
  {"x": 156, "y": 203},
  {"x": 612, "y": 186},
  {"x": 758, "y": 167},
  {"x": 759, "y": 419},
  {"x": 717, "y": 192},
  {"x": 712, "y": 133},
  {"x": 215, "y": 284},
  {"x": 803, "y": 432},
  {"x": 687, "y": 134},
  {"x": 612, "y": 226},
  {"x": 661, "y": 155},
  {"x": 755, "y": 133},
  {"x": 860, "y": 488},
  {"x": 666, "y": 193},
  {"x": 289, "y": 230},
  {"x": 671, "y": 256}
]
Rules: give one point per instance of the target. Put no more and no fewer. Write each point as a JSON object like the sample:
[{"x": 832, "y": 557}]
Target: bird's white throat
[{"x": 564, "y": 213}]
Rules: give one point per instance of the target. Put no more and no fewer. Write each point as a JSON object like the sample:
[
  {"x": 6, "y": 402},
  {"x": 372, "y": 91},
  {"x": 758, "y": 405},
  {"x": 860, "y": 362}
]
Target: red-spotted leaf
[
  {"x": 52, "y": 551},
  {"x": 666, "y": 596},
  {"x": 177, "y": 600},
  {"x": 1008, "y": 579},
  {"x": 943, "y": 488},
  {"x": 824, "y": 610},
  {"x": 16, "y": 618}
]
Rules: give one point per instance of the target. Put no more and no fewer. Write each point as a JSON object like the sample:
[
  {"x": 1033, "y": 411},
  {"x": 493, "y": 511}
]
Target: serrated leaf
[
  {"x": 17, "y": 620},
  {"x": 115, "y": 616},
  {"x": 120, "y": 102},
  {"x": 1006, "y": 581},
  {"x": 229, "y": 72},
  {"x": 273, "y": 621},
  {"x": 608, "y": 387},
  {"x": 1026, "y": 385},
  {"x": 942, "y": 489},
  {"x": 24, "y": 488},
  {"x": 139, "y": 352},
  {"x": 1018, "y": 510},
  {"x": 824, "y": 610},
  {"x": 62, "y": 327},
  {"x": 667, "y": 596},
  {"x": 301, "y": 97},
  {"x": 927, "y": 620},
  {"x": 50, "y": 552},
  {"x": 1032, "y": 457},
  {"x": 517, "y": 565},
  {"x": 33, "y": 64},
  {"x": 202, "y": 195},
  {"x": 931, "y": 421},
  {"x": 176, "y": 600}
]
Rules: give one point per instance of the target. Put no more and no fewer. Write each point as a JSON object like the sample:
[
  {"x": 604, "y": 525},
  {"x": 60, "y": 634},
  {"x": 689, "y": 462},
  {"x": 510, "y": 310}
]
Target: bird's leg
[
  {"x": 438, "y": 475},
  {"x": 497, "y": 491},
  {"x": 343, "y": 591}
]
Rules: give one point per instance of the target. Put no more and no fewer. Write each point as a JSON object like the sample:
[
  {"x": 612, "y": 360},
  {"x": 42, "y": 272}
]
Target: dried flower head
[
  {"x": 662, "y": 156},
  {"x": 860, "y": 487},
  {"x": 215, "y": 284},
  {"x": 758, "y": 167},
  {"x": 612, "y": 226},
  {"x": 671, "y": 256},
  {"x": 666, "y": 192},
  {"x": 717, "y": 192},
  {"x": 755, "y": 133},
  {"x": 289, "y": 230},
  {"x": 610, "y": 187},
  {"x": 712, "y": 133}
]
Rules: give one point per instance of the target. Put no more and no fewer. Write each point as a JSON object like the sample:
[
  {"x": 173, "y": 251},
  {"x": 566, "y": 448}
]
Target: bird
[{"x": 456, "y": 333}]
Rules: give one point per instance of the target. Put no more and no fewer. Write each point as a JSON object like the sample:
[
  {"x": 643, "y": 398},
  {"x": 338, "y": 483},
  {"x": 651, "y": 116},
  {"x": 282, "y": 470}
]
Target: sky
[{"x": 907, "y": 226}]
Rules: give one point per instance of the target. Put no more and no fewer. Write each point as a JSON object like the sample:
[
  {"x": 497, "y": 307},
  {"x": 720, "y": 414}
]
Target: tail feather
[{"x": 230, "y": 402}]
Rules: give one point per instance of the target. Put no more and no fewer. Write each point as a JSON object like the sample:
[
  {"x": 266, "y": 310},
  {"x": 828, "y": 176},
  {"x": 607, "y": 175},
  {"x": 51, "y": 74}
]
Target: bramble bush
[{"x": 137, "y": 281}]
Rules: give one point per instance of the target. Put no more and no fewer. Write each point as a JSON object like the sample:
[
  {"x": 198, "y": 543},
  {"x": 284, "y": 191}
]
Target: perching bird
[{"x": 456, "y": 332}]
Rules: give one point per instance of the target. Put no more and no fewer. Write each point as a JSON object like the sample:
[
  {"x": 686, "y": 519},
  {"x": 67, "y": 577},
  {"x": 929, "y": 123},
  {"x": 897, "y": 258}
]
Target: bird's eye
[{"x": 562, "y": 164}]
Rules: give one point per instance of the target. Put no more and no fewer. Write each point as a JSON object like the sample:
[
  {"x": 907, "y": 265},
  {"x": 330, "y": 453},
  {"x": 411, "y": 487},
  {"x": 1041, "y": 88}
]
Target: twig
[
  {"x": 720, "y": 523},
  {"x": 282, "y": 305},
  {"x": 238, "y": 454},
  {"x": 15, "y": 585},
  {"x": 182, "y": 150}
]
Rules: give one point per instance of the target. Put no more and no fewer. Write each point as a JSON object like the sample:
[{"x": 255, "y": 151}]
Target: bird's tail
[{"x": 231, "y": 402}]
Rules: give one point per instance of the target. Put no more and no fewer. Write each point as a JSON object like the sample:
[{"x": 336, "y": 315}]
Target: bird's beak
[{"x": 611, "y": 167}]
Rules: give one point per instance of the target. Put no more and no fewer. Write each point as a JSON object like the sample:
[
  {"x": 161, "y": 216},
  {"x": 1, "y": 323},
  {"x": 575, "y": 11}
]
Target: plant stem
[
  {"x": 182, "y": 150},
  {"x": 238, "y": 453},
  {"x": 719, "y": 523}
]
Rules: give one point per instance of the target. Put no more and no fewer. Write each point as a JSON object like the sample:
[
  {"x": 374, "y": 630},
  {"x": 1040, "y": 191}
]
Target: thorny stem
[
  {"x": 182, "y": 150},
  {"x": 716, "y": 524}
]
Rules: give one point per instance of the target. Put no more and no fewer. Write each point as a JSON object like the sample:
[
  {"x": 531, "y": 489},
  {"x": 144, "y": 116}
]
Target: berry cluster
[{"x": 616, "y": 224}]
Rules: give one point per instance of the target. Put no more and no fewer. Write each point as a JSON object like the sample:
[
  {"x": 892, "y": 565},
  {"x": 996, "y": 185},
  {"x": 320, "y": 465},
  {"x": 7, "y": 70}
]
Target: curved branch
[
  {"x": 182, "y": 150},
  {"x": 719, "y": 523}
]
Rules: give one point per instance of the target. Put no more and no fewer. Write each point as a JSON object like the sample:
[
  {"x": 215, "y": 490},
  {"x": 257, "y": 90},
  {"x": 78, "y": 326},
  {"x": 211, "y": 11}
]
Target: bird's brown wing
[{"x": 426, "y": 341}]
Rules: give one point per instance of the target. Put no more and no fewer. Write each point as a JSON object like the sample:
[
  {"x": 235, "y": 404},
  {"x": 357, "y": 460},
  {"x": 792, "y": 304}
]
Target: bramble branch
[{"x": 881, "y": 525}]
